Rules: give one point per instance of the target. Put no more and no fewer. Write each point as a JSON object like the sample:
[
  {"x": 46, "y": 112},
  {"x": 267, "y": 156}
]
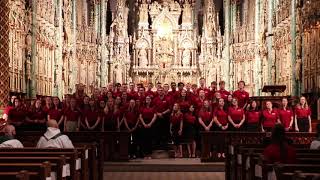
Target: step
[{"x": 164, "y": 165}]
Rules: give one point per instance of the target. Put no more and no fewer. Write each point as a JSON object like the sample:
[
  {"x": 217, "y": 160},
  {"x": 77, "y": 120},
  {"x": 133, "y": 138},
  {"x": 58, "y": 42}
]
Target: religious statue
[
  {"x": 186, "y": 17},
  {"x": 175, "y": 6},
  {"x": 186, "y": 58},
  {"x": 143, "y": 59},
  {"x": 143, "y": 14},
  {"x": 298, "y": 69}
]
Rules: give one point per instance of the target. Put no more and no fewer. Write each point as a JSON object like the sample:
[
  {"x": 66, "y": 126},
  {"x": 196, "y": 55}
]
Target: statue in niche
[
  {"x": 117, "y": 74},
  {"x": 143, "y": 14},
  {"x": 155, "y": 7},
  {"x": 298, "y": 69},
  {"x": 143, "y": 59},
  {"x": 175, "y": 6},
  {"x": 186, "y": 58},
  {"x": 186, "y": 17}
]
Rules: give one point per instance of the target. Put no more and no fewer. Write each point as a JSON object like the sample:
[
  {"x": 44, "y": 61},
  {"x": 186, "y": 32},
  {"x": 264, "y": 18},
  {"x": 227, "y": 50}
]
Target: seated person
[
  {"x": 53, "y": 138},
  {"x": 279, "y": 151},
  {"x": 8, "y": 141},
  {"x": 315, "y": 144}
]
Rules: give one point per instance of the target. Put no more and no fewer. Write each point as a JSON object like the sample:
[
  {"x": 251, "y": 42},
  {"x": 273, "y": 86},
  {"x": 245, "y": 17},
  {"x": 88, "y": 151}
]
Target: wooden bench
[
  {"x": 40, "y": 171},
  {"x": 70, "y": 154},
  {"x": 21, "y": 175},
  {"x": 57, "y": 170}
]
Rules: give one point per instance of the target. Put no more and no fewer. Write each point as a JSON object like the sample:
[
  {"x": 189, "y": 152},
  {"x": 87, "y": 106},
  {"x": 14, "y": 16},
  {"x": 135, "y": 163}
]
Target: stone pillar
[
  {"x": 103, "y": 55},
  {"x": 73, "y": 63},
  {"x": 4, "y": 52},
  {"x": 33, "y": 85},
  {"x": 271, "y": 64},
  {"x": 227, "y": 63},
  {"x": 58, "y": 63},
  {"x": 293, "y": 31},
  {"x": 257, "y": 72}
]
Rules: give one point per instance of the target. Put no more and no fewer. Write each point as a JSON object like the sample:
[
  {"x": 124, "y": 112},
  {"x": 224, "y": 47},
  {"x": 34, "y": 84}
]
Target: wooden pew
[
  {"x": 283, "y": 171},
  {"x": 21, "y": 175},
  {"x": 42, "y": 171},
  {"x": 59, "y": 161},
  {"x": 299, "y": 175},
  {"x": 71, "y": 153},
  {"x": 231, "y": 139}
]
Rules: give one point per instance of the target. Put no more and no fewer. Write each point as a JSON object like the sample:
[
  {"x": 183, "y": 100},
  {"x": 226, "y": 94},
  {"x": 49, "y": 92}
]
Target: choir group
[{"x": 157, "y": 115}]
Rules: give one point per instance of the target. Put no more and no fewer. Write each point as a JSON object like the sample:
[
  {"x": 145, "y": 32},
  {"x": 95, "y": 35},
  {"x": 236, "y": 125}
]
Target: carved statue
[
  {"x": 298, "y": 69},
  {"x": 175, "y": 6},
  {"x": 186, "y": 58},
  {"x": 186, "y": 17},
  {"x": 143, "y": 14},
  {"x": 143, "y": 59}
]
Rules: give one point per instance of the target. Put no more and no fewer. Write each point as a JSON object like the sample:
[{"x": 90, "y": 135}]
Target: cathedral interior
[{"x": 49, "y": 46}]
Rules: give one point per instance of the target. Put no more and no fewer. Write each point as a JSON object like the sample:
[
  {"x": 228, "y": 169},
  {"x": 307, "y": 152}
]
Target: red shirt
[
  {"x": 131, "y": 117},
  {"x": 17, "y": 115},
  {"x": 190, "y": 118},
  {"x": 212, "y": 94},
  {"x": 7, "y": 109},
  {"x": 174, "y": 95},
  {"x": 175, "y": 119},
  {"x": 270, "y": 118},
  {"x": 161, "y": 104},
  {"x": 285, "y": 117},
  {"x": 222, "y": 116},
  {"x": 242, "y": 97},
  {"x": 253, "y": 117},
  {"x": 206, "y": 116},
  {"x": 132, "y": 95},
  {"x": 92, "y": 116},
  {"x": 224, "y": 94},
  {"x": 72, "y": 115},
  {"x": 302, "y": 112},
  {"x": 37, "y": 114},
  {"x": 206, "y": 91},
  {"x": 55, "y": 114},
  {"x": 236, "y": 114},
  {"x": 272, "y": 154},
  {"x": 147, "y": 114},
  {"x": 184, "y": 105},
  {"x": 150, "y": 93}
]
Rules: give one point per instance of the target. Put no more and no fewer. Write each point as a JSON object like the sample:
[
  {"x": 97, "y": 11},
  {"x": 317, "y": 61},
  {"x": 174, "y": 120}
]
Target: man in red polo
[
  {"x": 241, "y": 95},
  {"x": 203, "y": 87},
  {"x": 224, "y": 93}
]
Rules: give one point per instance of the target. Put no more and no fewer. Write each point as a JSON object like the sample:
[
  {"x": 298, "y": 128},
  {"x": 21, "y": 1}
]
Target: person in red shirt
[
  {"x": 253, "y": 117},
  {"x": 176, "y": 127},
  {"x": 56, "y": 112},
  {"x": 36, "y": 119},
  {"x": 149, "y": 91},
  {"x": 173, "y": 93},
  {"x": 224, "y": 93},
  {"x": 279, "y": 151},
  {"x": 17, "y": 114},
  {"x": 221, "y": 117},
  {"x": 130, "y": 124},
  {"x": 200, "y": 99},
  {"x": 110, "y": 120},
  {"x": 241, "y": 95},
  {"x": 215, "y": 101},
  {"x": 269, "y": 117},
  {"x": 303, "y": 116},
  {"x": 8, "y": 108},
  {"x": 72, "y": 117},
  {"x": 203, "y": 87},
  {"x": 194, "y": 88},
  {"x": 92, "y": 117},
  {"x": 189, "y": 131},
  {"x": 147, "y": 118},
  {"x": 286, "y": 115},
  {"x": 228, "y": 102},
  {"x": 183, "y": 102},
  {"x": 141, "y": 95},
  {"x": 236, "y": 116},
  {"x": 132, "y": 94},
  {"x": 213, "y": 90},
  {"x": 205, "y": 117},
  {"x": 161, "y": 126},
  {"x": 48, "y": 105}
]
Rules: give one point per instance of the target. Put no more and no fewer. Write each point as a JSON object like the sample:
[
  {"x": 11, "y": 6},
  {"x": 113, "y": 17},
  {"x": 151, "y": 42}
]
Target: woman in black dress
[{"x": 190, "y": 131}]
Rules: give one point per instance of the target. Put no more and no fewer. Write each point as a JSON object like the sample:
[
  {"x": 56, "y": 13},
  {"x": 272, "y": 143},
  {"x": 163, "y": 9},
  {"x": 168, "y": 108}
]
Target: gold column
[{"x": 4, "y": 51}]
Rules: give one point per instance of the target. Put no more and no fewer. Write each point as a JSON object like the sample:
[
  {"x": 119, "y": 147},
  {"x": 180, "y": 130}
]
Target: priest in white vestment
[{"x": 53, "y": 138}]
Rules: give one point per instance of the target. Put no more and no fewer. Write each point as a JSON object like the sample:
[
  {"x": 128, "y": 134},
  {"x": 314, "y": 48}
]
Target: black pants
[
  {"x": 161, "y": 131},
  {"x": 252, "y": 127},
  {"x": 146, "y": 141},
  {"x": 303, "y": 124}
]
